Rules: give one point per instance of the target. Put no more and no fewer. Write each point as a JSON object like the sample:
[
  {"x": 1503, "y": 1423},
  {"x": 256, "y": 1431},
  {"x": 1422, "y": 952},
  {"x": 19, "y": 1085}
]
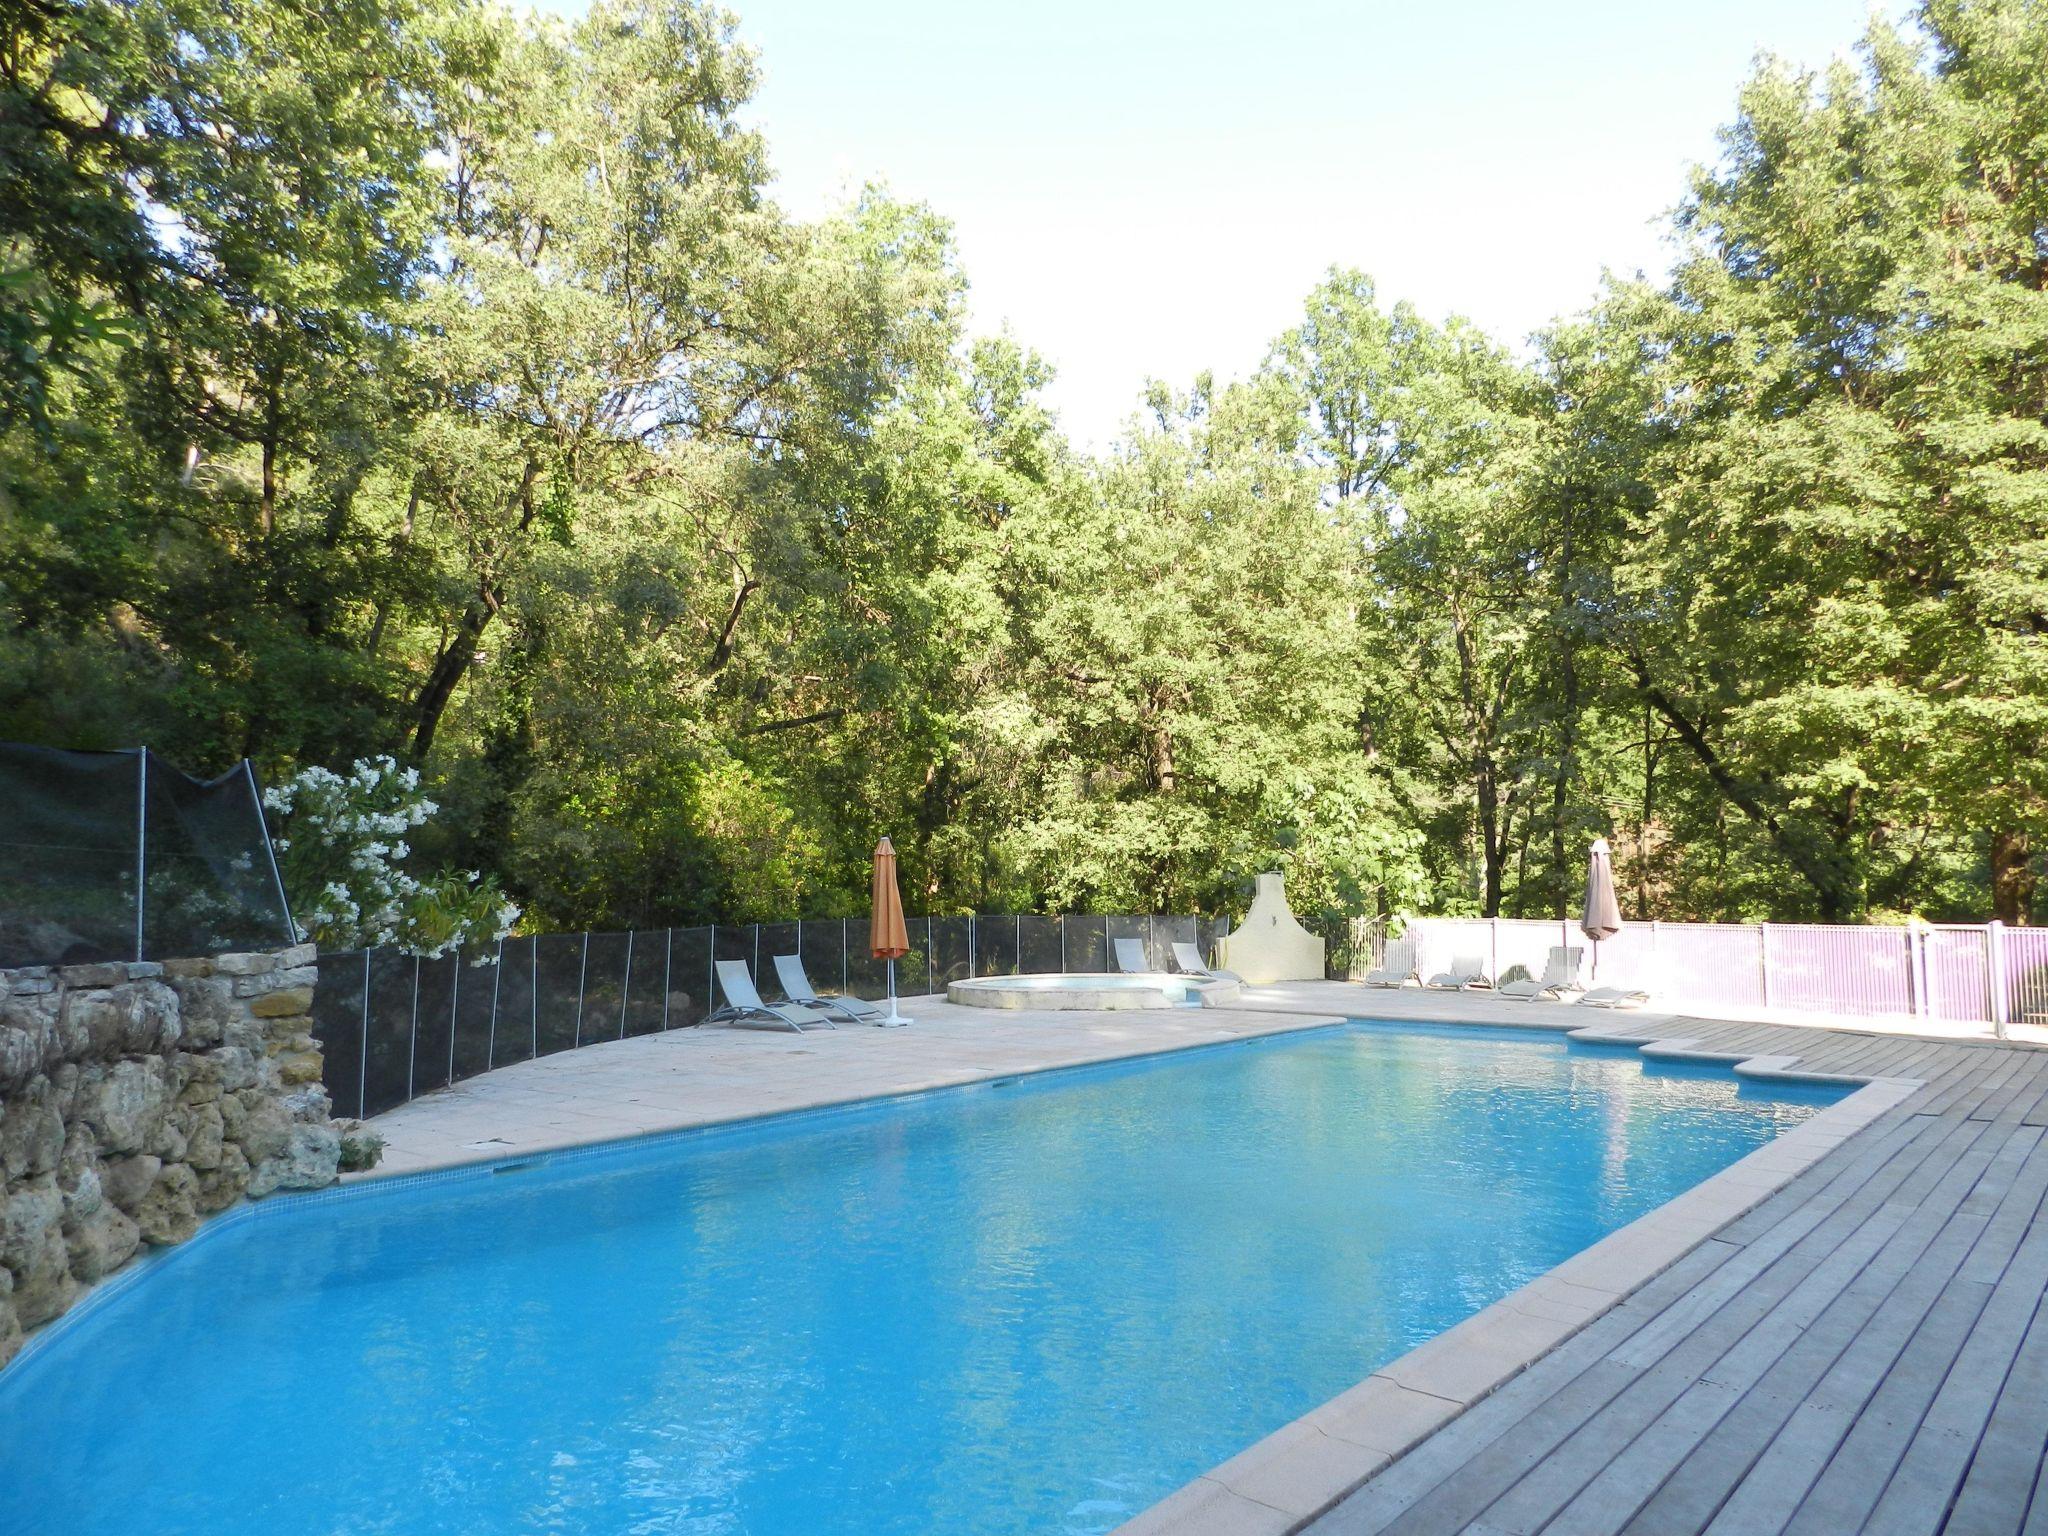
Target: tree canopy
[{"x": 411, "y": 377}]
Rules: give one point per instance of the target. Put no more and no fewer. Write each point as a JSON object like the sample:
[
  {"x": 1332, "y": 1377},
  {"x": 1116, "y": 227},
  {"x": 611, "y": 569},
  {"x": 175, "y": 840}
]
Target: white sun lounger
[
  {"x": 1466, "y": 971},
  {"x": 1397, "y": 969},
  {"x": 743, "y": 1004},
  {"x": 796, "y": 986},
  {"x": 1130, "y": 956},
  {"x": 1188, "y": 961},
  {"x": 1635, "y": 994},
  {"x": 1560, "y": 975}
]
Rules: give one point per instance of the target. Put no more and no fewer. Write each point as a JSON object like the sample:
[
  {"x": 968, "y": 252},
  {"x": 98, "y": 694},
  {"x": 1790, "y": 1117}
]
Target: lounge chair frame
[
  {"x": 743, "y": 1002},
  {"x": 796, "y": 986}
]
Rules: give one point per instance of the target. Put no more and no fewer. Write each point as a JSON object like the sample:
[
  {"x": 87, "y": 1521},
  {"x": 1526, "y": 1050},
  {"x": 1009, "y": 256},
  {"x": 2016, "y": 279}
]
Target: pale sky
[{"x": 1146, "y": 188}]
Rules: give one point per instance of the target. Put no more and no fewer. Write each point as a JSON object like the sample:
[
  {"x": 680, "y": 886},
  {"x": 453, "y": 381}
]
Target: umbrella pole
[{"x": 894, "y": 1016}]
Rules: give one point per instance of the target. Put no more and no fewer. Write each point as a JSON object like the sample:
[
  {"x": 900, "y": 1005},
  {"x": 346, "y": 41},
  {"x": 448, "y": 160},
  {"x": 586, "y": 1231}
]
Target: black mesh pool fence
[
  {"x": 393, "y": 1026},
  {"x": 119, "y": 856}
]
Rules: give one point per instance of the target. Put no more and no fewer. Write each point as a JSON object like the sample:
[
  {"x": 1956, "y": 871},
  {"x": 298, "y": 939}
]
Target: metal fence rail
[
  {"x": 393, "y": 1026},
  {"x": 1954, "y": 973}
]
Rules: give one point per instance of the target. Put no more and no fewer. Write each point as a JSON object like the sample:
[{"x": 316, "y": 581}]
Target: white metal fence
[{"x": 1944, "y": 972}]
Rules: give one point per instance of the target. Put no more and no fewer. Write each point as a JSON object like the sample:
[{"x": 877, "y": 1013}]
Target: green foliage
[{"x": 409, "y": 377}]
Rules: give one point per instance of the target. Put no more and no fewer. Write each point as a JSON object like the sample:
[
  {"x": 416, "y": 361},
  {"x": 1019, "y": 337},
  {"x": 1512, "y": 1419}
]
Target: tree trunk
[
  {"x": 1567, "y": 724},
  {"x": 1796, "y": 846},
  {"x": 449, "y": 670},
  {"x": 2012, "y": 877},
  {"x": 1493, "y": 848}
]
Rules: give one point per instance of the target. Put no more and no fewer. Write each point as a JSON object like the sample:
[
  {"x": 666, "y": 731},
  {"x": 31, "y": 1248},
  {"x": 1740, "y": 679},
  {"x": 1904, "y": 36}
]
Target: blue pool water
[{"x": 1034, "y": 1306}]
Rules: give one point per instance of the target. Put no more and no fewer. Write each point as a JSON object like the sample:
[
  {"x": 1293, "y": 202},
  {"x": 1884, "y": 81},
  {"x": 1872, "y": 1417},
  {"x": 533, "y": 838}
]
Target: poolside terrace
[{"x": 1843, "y": 1332}]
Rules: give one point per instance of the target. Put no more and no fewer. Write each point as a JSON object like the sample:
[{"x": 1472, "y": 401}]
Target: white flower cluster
[{"x": 342, "y": 864}]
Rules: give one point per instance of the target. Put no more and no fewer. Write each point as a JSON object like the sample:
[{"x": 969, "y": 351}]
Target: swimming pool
[{"x": 1033, "y": 1306}]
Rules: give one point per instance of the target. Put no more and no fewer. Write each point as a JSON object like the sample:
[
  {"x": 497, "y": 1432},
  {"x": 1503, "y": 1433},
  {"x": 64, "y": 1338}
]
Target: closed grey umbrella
[{"x": 1602, "y": 919}]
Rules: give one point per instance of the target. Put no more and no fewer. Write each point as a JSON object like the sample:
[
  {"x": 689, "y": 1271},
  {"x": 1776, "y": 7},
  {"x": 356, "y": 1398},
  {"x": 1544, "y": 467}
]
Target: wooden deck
[{"x": 1866, "y": 1351}]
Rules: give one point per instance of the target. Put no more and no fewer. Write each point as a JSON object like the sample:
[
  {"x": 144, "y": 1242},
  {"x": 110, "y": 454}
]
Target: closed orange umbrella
[{"x": 888, "y": 937}]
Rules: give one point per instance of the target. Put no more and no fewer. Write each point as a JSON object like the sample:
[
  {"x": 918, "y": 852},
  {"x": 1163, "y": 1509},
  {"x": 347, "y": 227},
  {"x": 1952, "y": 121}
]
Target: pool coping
[{"x": 1301, "y": 1471}]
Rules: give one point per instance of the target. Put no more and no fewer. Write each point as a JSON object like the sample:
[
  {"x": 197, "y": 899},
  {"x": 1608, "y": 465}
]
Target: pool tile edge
[{"x": 1299, "y": 1472}]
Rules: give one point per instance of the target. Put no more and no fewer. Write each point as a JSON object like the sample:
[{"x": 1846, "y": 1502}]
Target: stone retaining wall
[{"x": 136, "y": 1098}]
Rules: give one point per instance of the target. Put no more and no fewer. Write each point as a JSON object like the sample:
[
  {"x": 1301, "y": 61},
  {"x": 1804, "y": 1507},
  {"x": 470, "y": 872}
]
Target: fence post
[
  {"x": 141, "y": 843},
  {"x": 1063, "y": 944},
  {"x": 1492, "y": 950},
  {"x": 1918, "y": 970},
  {"x": 972, "y": 920},
  {"x": 582, "y": 975},
  {"x": 668, "y": 964},
  {"x": 1763, "y": 959},
  {"x": 454, "y": 997},
  {"x": 1995, "y": 976},
  {"x": 533, "y": 996},
  {"x": 363, "y": 1062},
  {"x": 842, "y": 954},
  {"x": 412, "y": 1045},
  {"x": 626, "y": 984},
  {"x": 497, "y": 984}
]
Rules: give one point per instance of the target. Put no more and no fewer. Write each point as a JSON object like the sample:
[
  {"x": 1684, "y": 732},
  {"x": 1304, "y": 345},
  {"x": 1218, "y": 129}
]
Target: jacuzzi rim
[{"x": 1097, "y": 992}]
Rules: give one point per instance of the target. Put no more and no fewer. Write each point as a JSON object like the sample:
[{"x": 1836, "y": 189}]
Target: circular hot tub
[{"x": 1152, "y": 989}]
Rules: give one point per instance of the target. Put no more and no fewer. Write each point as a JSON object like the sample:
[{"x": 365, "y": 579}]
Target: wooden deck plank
[
  {"x": 2007, "y": 1465},
  {"x": 1517, "y": 1425},
  {"x": 1730, "y": 1352},
  {"x": 1804, "y": 1234},
  {"x": 1931, "y": 1471},
  {"x": 2025, "y": 1082},
  {"x": 1819, "y": 1411},
  {"x": 1867, "y": 1349},
  {"x": 1696, "y": 1490}
]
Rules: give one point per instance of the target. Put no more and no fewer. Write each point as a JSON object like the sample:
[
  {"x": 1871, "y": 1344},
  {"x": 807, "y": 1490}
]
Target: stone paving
[{"x": 700, "y": 1076}]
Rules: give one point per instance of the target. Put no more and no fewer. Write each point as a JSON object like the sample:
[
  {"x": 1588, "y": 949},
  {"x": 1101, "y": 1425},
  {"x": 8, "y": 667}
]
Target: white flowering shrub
[{"x": 341, "y": 846}]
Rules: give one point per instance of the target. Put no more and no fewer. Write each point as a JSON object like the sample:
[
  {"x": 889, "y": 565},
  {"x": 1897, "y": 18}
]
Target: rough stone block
[
  {"x": 124, "y": 1103},
  {"x": 296, "y": 1067},
  {"x": 32, "y": 1246},
  {"x": 78, "y": 1175},
  {"x": 252, "y": 964},
  {"x": 208, "y": 1009},
  {"x": 93, "y": 975},
  {"x": 125, "y": 1180},
  {"x": 31, "y": 1132},
  {"x": 291, "y": 1002},
  {"x": 260, "y": 1125},
  {"x": 133, "y": 1019},
  {"x": 221, "y": 1187},
  {"x": 309, "y": 1161},
  {"x": 100, "y": 1243},
  {"x": 181, "y": 969},
  {"x": 306, "y": 976},
  {"x": 169, "y": 1213},
  {"x": 205, "y": 1136},
  {"x": 10, "y": 1325},
  {"x": 240, "y": 1068}
]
